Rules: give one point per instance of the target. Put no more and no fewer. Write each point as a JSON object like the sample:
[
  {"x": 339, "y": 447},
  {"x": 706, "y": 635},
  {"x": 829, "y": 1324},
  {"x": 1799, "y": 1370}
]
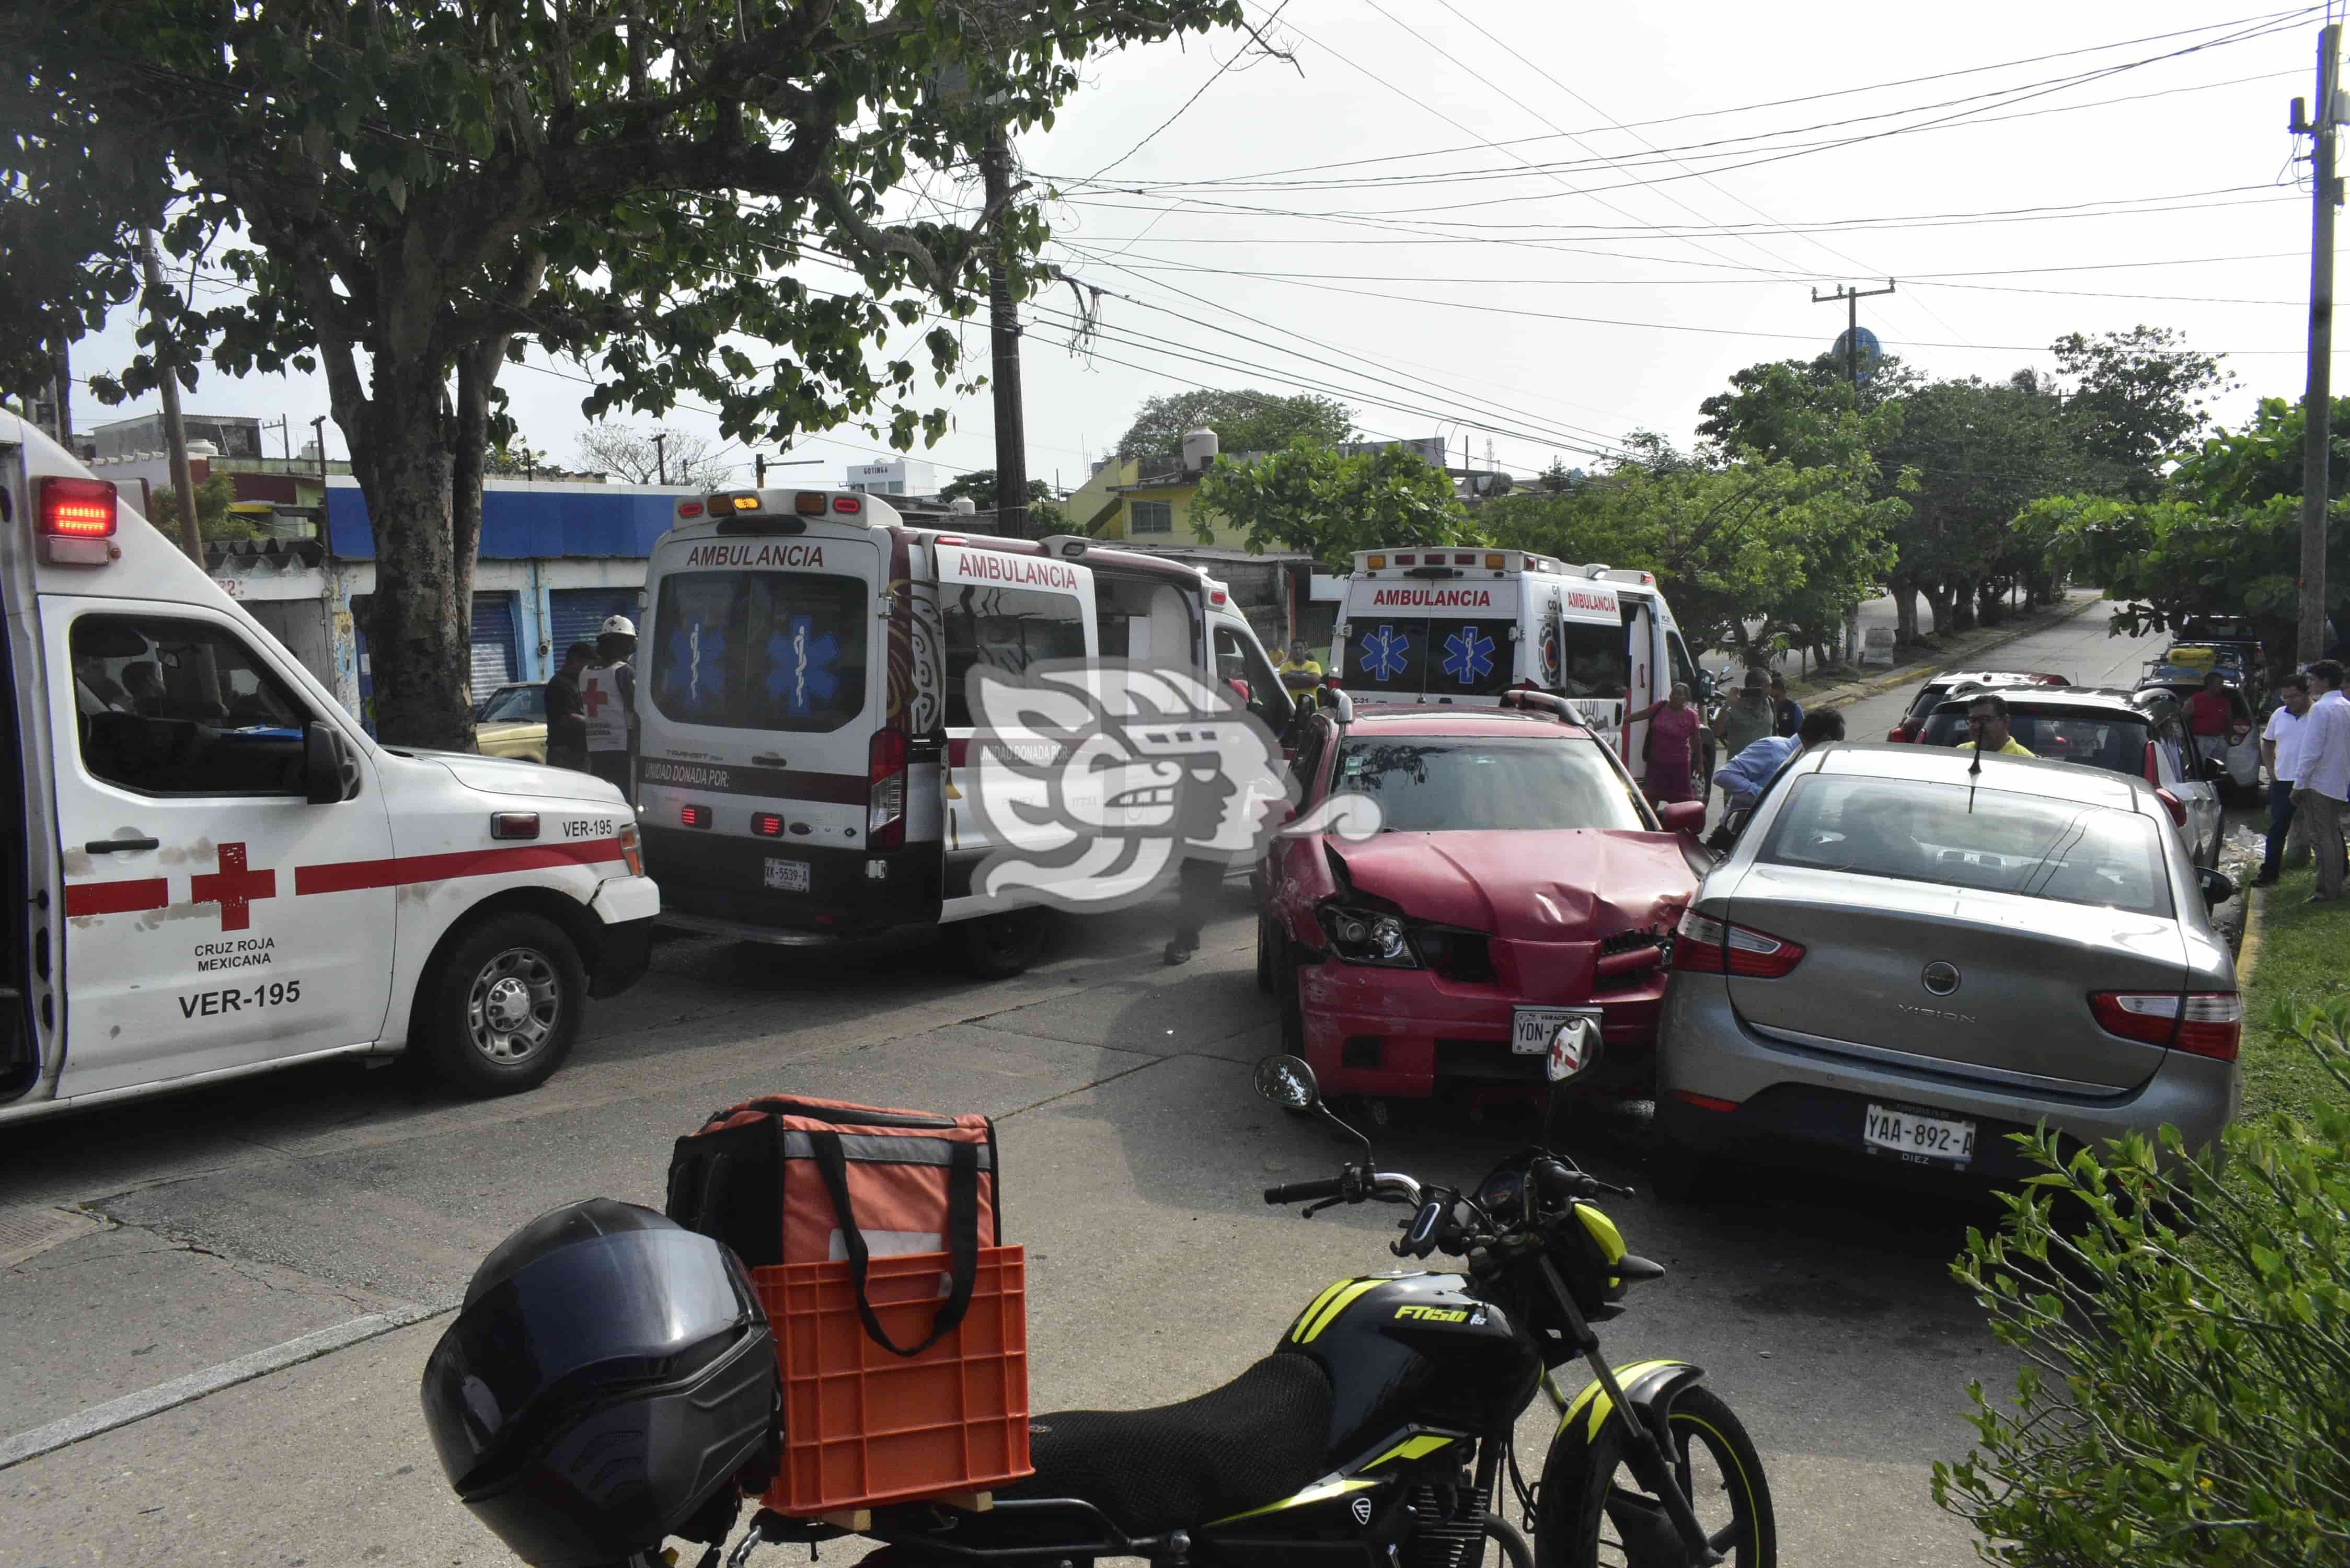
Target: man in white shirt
[
  {"x": 2323, "y": 788},
  {"x": 2280, "y": 750}
]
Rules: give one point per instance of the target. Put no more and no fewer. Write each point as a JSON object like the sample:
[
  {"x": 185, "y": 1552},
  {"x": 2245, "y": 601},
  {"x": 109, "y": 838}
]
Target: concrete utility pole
[
  {"x": 1003, "y": 338},
  {"x": 1852, "y": 297},
  {"x": 319, "y": 439},
  {"x": 2317, "y": 407},
  {"x": 175, "y": 432}
]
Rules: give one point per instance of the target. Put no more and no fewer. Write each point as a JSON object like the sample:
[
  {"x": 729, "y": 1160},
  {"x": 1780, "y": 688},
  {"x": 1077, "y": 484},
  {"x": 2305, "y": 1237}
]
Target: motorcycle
[{"x": 1381, "y": 1428}]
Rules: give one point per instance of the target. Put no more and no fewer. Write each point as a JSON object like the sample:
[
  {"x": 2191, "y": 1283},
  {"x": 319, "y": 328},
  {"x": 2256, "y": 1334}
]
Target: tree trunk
[
  {"x": 1937, "y": 599},
  {"x": 1905, "y": 610},
  {"x": 420, "y": 630}
]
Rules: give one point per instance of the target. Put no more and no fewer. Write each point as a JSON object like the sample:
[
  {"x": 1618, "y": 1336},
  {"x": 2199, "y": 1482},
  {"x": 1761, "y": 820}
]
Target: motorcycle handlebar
[{"x": 1303, "y": 1191}]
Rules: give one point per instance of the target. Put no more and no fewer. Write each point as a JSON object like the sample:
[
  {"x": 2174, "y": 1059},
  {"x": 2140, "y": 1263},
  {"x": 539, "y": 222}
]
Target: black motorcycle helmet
[{"x": 608, "y": 1375}]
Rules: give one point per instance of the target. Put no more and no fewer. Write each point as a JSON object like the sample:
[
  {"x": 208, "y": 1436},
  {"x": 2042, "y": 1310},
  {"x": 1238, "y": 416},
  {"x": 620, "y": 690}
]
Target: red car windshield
[{"x": 1442, "y": 783}]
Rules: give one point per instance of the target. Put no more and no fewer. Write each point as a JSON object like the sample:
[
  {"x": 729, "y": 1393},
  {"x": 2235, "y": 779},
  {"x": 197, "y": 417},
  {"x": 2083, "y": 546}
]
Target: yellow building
[{"x": 1124, "y": 501}]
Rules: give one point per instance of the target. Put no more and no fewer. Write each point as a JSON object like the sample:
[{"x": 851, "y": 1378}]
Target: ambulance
[
  {"x": 211, "y": 869},
  {"x": 801, "y": 709},
  {"x": 1464, "y": 625}
]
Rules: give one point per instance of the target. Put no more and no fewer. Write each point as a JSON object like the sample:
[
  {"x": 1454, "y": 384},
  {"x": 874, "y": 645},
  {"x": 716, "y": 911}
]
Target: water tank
[
  {"x": 963, "y": 506},
  {"x": 203, "y": 449},
  {"x": 1200, "y": 448}
]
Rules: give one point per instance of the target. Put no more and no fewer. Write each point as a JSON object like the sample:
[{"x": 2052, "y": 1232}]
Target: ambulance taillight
[
  {"x": 76, "y": 519},
  {"x": 885, "y": 815}
]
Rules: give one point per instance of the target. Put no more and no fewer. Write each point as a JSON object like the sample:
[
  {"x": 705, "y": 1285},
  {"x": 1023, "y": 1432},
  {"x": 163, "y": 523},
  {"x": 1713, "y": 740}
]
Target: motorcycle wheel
[{"x": 1592, "y": 1512}]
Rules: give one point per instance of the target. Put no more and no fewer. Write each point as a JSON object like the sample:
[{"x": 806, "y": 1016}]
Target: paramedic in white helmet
[{"x": 608, "y": 689}]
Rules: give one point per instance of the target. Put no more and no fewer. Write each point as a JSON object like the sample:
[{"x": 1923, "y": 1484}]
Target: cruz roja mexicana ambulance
[{"x": 216, "y": 871}]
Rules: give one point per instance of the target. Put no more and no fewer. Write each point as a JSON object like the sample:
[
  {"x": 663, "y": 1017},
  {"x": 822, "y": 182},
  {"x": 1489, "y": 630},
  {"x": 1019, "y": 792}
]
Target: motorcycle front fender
[{"x": 1649, "y": 1388}]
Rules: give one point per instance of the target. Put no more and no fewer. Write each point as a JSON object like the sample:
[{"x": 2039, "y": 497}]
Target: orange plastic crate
[{"x": 863, "y": 1426}]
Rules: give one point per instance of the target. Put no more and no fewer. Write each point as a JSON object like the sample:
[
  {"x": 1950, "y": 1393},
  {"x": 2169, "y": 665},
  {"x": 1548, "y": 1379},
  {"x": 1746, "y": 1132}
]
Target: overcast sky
[{"x": 1546, "y": 226}]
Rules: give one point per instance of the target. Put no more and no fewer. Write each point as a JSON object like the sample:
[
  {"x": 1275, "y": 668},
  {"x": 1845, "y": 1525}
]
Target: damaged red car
[{"x": 1518, "y": 879}]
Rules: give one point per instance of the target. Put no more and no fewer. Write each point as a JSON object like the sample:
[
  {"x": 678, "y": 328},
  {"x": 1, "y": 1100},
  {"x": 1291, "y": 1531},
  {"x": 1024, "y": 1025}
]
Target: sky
[{"x": 1543, "y": 226}]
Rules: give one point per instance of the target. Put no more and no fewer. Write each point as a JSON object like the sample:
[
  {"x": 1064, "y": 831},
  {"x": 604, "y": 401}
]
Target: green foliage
[
  {"x": 1243, "y": 421},
  {"x": 2138, "y": 397},
  {"x": 2222, "y": 537},
  {"x": 2182, "y": 1401},
  {"x": 978, "y": 487},
  {"x": 1307, "y": 497},
  {"x": 1733, "y": 539},
  {"x": 214, "y": 521}
]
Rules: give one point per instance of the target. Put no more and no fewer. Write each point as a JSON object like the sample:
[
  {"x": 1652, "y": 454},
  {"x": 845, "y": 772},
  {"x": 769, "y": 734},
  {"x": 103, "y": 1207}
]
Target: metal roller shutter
[
  {"x": 495, "y": 662},
  {"x": 575, "y": 615}
]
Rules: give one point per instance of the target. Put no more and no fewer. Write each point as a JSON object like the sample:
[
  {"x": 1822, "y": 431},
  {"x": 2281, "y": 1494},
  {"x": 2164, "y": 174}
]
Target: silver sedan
[{"x": 1902, "y": 959}]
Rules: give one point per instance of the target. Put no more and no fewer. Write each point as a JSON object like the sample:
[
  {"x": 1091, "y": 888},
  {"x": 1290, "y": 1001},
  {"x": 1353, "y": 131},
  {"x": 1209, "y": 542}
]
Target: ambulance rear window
[
  {"x": 1006, "y": 628},
  {"x": 760, "y": 650},
  {"x": 1407, "y": 656}
]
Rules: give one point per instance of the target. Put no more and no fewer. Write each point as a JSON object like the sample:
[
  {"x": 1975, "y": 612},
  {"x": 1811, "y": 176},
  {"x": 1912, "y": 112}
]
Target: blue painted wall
[{"x": 530, "y": 523}]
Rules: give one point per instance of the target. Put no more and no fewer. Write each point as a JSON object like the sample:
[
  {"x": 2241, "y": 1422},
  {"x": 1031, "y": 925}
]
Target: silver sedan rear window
[{"x": 1962, "y": 837}]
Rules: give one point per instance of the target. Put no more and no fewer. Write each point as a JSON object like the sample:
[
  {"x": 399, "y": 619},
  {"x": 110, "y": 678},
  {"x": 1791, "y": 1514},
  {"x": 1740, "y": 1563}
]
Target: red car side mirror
[{"x": 1682, "y": 816}]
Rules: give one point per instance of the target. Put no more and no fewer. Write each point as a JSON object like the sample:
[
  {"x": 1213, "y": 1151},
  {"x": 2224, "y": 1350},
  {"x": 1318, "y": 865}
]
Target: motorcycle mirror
[
  {"x": 1574, "y": 1049},
  {"x": 1287, "y": 1081}
]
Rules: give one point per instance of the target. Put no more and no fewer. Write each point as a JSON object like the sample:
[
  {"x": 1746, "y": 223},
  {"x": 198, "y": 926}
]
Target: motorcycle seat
[{"x": 1255, "y": 1440}]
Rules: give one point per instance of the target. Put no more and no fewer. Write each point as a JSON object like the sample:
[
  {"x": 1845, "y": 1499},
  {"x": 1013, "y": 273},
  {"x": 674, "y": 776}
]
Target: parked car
[
  {"x": 2240, "y": 748},
  {"x": 1901, "y": 963},
  {"x": 2194, "y": 661},
  {"x": 512, "y": 722},
  {"x": 1942, "y": 687},
  {"x": 2241, "y": 631},
  {"x": 1520, "y": 881},
  {"x": 2101, "y": 727}
]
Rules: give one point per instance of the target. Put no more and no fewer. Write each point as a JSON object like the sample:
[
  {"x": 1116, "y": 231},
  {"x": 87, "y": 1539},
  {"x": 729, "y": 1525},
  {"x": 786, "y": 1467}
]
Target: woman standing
[{"x": 1673, "y": 725}]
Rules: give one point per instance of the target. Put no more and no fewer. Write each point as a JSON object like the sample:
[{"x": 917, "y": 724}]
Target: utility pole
[
  {"x": 1852, "y": 297},
  {"x": 319, "y": 439},
  {"x": 62, "y": 365},
  {"x": 175, "y": 431},
  {"x": 1003, "y": 340},
  {"x": 2317, "y": 407},
  {"x": 759, "y": 469},
  {"x": 660, "y": 456}
]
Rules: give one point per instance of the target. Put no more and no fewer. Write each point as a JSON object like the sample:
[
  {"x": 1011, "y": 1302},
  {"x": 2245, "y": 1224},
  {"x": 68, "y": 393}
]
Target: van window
[
  {"x": 1591, "y": 660},
  {"x": 183, "y": 707},
  {"x": 760, "y": 650},
  {"x": 1239, "y": 659},
  {"x": 1003, "y": 628},
  {"x": 1439, "y": 657}
]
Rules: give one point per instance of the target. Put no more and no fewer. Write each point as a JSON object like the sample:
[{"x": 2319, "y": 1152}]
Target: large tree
[
  {"x": 1307, "y": 497},
  {"x": 1242, "y": 420},
  {"x": 2134, "y": 397},
  {"x": 407, "y": 191}
]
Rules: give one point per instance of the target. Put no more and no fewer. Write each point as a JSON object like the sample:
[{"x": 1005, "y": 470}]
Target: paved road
[{"x": 242, "y": 1219}]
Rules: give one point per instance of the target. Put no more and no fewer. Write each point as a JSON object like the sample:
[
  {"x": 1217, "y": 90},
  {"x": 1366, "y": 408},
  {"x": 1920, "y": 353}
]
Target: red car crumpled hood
[{"x": 1544, "y": 887}]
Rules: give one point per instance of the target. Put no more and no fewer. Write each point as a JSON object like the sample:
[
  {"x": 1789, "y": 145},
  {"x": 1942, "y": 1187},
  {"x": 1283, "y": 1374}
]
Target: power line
[{"x": 1179, "y": 113}]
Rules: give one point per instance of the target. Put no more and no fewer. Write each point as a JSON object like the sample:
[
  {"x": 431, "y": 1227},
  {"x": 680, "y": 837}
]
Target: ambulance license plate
[
  {"x": 787, "y": 876},
  {"x": 1532, "y": 1027},
  {"x": 1922, "y": 1138}
]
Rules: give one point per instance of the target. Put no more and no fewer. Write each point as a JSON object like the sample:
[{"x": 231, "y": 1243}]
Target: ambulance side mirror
[{"x": 322, "y": 764}]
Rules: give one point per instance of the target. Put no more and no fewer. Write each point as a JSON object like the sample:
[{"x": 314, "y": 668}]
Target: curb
[
  {"x": 1854, "y": 691},
  {"x": 2248, "y": 951}
]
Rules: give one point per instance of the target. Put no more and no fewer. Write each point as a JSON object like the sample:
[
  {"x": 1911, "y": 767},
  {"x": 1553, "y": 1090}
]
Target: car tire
[
  {"x": 500, "y": 1009},
  {"x": 997, "y": 947}
]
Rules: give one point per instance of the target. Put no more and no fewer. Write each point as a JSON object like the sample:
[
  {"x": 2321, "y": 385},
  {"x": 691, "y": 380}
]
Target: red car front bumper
[{"x": 1404, "y": 1033}]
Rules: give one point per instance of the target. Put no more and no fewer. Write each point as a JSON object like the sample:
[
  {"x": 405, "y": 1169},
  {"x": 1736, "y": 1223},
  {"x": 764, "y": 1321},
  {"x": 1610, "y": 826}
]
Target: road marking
[{"x": 114, "y": 1412}]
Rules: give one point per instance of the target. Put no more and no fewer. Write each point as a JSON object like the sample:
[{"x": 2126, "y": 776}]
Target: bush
[{"x": 2185, "y": 1399}]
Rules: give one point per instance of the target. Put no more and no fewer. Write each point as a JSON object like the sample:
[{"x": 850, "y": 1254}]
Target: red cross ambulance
[
  {"x": 212, "y": 871},
  {"x": 801, "y": 711},
  {"x": 1454, "y": 625}
]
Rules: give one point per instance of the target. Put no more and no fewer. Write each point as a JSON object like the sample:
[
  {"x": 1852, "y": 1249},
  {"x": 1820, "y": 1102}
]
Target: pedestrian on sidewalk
[
  {"x": 1670, "y": 748},
  {"x": 2280, "y": 750},
  {"x": 1747, "y": 720},
  {"x": 1787, "y": 714},
  {"x": 2324, "y": 785}
]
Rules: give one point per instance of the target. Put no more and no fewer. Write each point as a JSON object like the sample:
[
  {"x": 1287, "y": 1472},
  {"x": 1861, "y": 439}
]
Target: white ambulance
[
  {"x": 801, "y": 710},
  {"x": 1464, "y": 625},
  {"x": 213, "y": 871}
]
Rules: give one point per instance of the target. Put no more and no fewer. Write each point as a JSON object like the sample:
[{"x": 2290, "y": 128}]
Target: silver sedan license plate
[
  {"x": 787, "y": 876},
  {"x": 1532, "y": 1027},
  {"x": 1927, "y": 1137}
]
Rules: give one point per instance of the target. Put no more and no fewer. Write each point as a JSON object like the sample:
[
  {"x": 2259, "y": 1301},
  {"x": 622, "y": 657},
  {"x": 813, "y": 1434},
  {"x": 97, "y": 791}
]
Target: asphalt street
[{"x": 206, "y": 1228}]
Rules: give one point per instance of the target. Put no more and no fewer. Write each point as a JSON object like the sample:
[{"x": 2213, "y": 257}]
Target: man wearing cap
[
  {"x": 608, "y": 689},
  {"x": 1748, "y": 719}
]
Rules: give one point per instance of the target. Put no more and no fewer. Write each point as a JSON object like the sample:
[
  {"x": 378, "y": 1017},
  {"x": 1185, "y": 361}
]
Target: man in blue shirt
[
  {"x": 1746, "y": 776},
  {"x": 1787, "y": 714}
]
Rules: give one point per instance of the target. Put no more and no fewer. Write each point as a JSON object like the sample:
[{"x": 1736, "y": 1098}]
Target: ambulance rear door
[
  {"x": 1598, "y": 671},
  {"x": 1005, "y": 610}
]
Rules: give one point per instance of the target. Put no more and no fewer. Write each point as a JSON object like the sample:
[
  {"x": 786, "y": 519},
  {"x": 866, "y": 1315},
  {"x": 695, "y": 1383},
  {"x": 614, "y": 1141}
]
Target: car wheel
[
  {"x": 500, "y": 1011},
  {"x": 997, "y": 947}
]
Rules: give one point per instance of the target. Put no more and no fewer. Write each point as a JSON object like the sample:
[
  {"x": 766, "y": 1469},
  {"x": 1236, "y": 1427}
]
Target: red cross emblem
[
  {"x": 233, "y": 888},
  {"x": 595, "y": 698}
]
